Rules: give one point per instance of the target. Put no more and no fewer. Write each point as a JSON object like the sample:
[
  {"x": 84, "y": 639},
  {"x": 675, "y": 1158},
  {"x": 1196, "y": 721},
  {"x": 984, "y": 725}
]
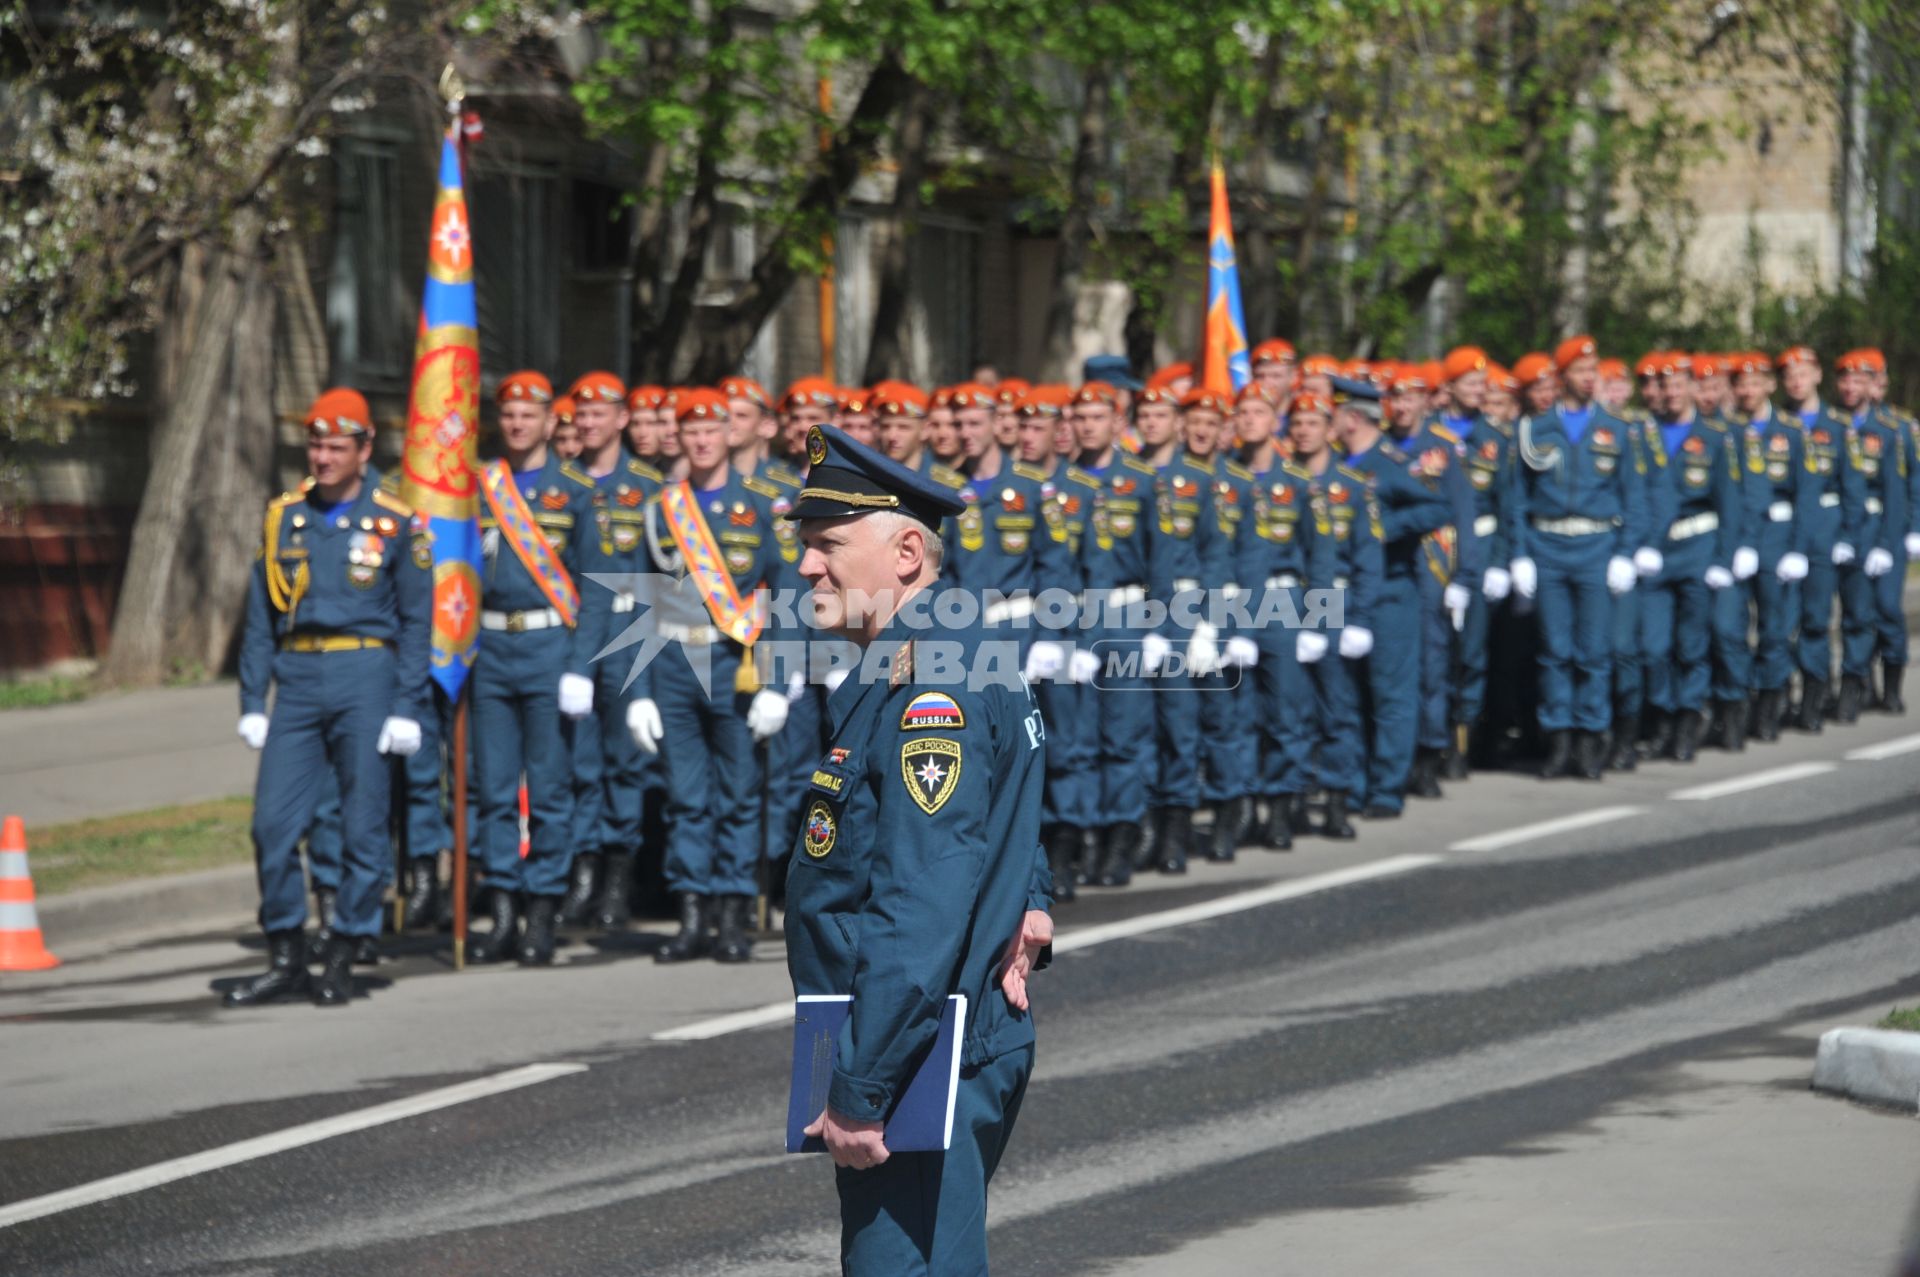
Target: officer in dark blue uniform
[
  {"x": 712, "y": 533},
  {"x": 1732, "y": 652},
  {"x": 918, "y": 872},
  {"x": 1780, "y": 497},
  {"x": 1874, "y": 452},
  {"x": 540, "y": 625},
  {"x": 1579, "y": 521},
  {"x": 337, "y": 619},
  {"x": 1890, "y": 587},
  {"x": 1487, "y": 459},
  {"x": 1413, "y": 502}
]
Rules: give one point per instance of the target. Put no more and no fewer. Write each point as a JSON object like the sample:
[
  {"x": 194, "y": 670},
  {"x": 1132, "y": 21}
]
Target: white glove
[
  {"x": 1620, "y": 574},
  {"x": 835, "y": 677},
  {"x": 1842, "y": 554},
  {"x": 1526, "y": 578},
  {"x": 1746, "y": 561},
  {"x": 1154, "y": 651},
  {"x": 1203, "y": 650},
  {"x": 1717, "y": 577},
  {"x": 1355, "y": 642},
  {"x": 1496, "y": 584},
  {"x": 1309, "y": 646},
  {"x": 796, "y": 686},
  {"x": 1457, "y": 597},
  {"x": 1045, "y": 659},
  {"x": 766, "y": 714},
  {"x": 1913, "y": 545},
  {"x": 1647, "y": 561},
  {"x": 399, "y": 737},
  {"x": 1792, "y": 567},
  {"x": 576, "y": 695},
  {"x": 1242, "y": 653},
  {"x": 1878, "y": 562},
  {"x": 253, "y": 730},
  {"x": 643, "y": 720},
  {"x": 1082, "y": 666}
]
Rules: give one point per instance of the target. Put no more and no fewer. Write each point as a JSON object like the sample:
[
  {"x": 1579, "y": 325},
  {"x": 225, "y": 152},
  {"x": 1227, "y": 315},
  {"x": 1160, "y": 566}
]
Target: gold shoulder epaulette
[
  {"x": 754, "y": 483},
  {"x": 781, "y": 475},
  {"x": 1350, "y": 472},
  {"x": 1445, "y": 432},
  {"x": 645, "y": 471},
  {"x": 1026, "y": 471},
  {"x": 1294, "y": 468},
  {"x": 389, "y": 501},
  {"x": 1239, "y": 471},
  {"x": 1391, "y": 450},
  {"x": 1132, "y": 462},
  {"x": 1078, "y": 475},
  {"x": 947, "y": 475},
  {"x": 576, "y": 474}
]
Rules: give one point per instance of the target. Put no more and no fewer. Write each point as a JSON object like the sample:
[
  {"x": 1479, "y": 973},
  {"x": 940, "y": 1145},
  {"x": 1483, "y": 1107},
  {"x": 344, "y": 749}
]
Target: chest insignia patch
[
  {"x": 930, "y": 767},
  {"x": 820, "y": 831}
]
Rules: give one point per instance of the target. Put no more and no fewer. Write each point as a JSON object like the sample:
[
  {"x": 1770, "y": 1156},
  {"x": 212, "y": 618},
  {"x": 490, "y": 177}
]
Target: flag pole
[{"x": 460, "y": 831}]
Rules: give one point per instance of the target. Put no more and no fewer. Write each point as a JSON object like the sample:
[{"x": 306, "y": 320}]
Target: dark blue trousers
[
  {"x": 1891, "y": 612},
  {"x": 1576, "y": 632},
  {"x": 1392, "y": 690},
  {"x": 1470, "y": 665},
  {"x": 1073, "y": 754},
  {"x": 1629, "y": 646},
  {"x": 1815, "y": 648},
  {"x": 1436, "y": 659},
  {"x": 327, "y": 712},
  {"x": 606, "y": 771},
  {"x": 1122, "y": 706},
  {"x": 1676, "y": 617},
  {"x": 1285, "y": 716},
  {"x": 517, "y": 731},
  {"x": 1229, "y": 748},
  {"x": 713, "y": 775},
  {"x": 1340, "y": 752},
  {"x": 1176, "y": 712}
]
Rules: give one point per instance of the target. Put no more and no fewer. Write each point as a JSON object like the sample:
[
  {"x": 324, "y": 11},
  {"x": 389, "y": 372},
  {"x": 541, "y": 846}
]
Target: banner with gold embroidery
[{"x": 736, "y": 617}]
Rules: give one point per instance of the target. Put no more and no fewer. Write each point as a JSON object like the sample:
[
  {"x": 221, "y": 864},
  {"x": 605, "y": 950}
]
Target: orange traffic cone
[{"x": 21, "y": 948}]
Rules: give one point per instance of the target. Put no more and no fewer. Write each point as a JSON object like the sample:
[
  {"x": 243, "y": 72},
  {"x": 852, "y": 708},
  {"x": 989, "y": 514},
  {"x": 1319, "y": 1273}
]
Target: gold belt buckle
[{"x": 516, "y": 622}]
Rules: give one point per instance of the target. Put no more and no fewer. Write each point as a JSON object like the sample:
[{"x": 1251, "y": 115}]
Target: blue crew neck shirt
[{"x": 1575, "y": 421}]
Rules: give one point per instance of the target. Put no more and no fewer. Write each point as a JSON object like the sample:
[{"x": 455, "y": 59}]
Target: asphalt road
[{"x": 1454, "y": 1046}]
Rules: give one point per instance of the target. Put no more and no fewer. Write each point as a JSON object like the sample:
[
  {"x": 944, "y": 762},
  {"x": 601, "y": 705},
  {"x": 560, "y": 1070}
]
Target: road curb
[
  {"x": 176, "y": 902},
  {"x": 1881, "y": 1066}
]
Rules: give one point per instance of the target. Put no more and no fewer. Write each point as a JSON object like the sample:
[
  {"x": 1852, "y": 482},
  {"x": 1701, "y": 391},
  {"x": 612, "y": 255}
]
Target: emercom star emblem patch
[{"x": 930, "y": 766}]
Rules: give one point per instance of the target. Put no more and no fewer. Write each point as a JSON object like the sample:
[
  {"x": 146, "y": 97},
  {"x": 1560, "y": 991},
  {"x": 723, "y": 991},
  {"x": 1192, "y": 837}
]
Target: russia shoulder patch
[{"x": 932, "y": 709}]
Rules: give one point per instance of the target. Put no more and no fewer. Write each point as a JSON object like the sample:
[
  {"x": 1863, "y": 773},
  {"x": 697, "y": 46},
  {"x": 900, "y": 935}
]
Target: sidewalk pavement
[{"x": 123, "y": 752}]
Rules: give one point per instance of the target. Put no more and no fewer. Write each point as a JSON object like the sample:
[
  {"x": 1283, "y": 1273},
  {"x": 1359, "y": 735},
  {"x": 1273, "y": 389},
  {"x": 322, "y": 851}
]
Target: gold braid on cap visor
[{"x": 870, "y": 500}]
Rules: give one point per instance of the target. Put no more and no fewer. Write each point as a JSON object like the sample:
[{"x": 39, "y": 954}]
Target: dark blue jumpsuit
[
  {"x": 1694, "y": 501},
  {"x": 1275, "y": 543},
  {"x": 1782, "y": 500},
  {"x": 1347, "y": 559},
  {"x": 1874, "y": 452},
  {"x": 1193, "y": 557},
  {"x": 1839, "y": 509}
]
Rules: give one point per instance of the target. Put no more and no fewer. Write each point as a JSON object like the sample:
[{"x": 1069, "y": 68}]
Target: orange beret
[
  {"x": 1531, "y": 367},
  {"x": 1462, "y": 360},
  {"x": 563, "y": 409},
  {"x": 599, "y": 387},
  {"x": 1273, "y": 350},
  {"x": 1705, "y": 365},
  {"x": 1573, "y": 348},
  {"x": 339, "y": 413},
  {"x": 1200, "y": 399},
  {"x": 1748, "y": 361},
  {"x": 1097, "y": 392},
  {"x": 524, "y": 387},
  {"x": 1876, "y": 362},
  {"x": 1647, "y": 365},
  {"x": 855, "y": 399},
  {"x": 647, "y": 397},
  {"x": 1254, "y": 392},
  {"x": 1673, "y": 363},
  {"x": 971, "y": 394},
  {"x": 1310, "y": 403},
  {"x": 809, "y": 390},
  {"x": 1164, "y": 377},
  {"x": 1011, "y": 390},
  {"x": 1795, "y": 355},
  {"x": 1314, "y": 365},
  {"x": 942, "y": 397},
  {"x": 1044, "y": 401},
  {"x": 1157, "y": 394},
  {"x": 898, "y": 399},
  {"x": 745, "y": 388},
  {"x": 699, "y": 404},
  {"x": 1411, "y": 377},
  {"x": 1501, "y": 377},
  {"x": 1613, "y": 368}
]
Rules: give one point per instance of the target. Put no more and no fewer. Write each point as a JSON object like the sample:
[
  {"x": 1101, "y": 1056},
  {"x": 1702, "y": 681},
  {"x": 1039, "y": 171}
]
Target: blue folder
[{"x": 922, "y": 1118}]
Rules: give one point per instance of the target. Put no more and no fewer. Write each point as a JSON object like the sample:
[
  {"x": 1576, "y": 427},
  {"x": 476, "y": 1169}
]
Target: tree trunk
[
  {"x": 1076, "y": 228},
  {"x": 887, "y": 352}
]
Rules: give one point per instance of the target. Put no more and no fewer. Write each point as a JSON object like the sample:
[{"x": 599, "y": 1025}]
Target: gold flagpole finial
[{"x": 452, "y": 87}]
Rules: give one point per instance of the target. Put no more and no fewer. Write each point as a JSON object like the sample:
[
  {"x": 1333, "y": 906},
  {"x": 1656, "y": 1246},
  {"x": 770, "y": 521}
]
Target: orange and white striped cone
[{"x": 21, "y": 948}]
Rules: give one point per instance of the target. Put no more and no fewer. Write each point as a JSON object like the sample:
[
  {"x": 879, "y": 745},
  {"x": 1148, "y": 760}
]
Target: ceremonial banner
[
  {"x": 439, "y": 466},
  {"x": 1224, "y": 366}
]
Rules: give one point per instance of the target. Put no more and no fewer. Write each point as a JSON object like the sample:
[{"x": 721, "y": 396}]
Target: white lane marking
[
  {"x": 1545, "y": 829},
  {"x": 1081, "y": 938},
  {"x": 1885, "y": 749},
  {"x": 213, "y": 1159},
  {"x": 1753, "y": 780}
]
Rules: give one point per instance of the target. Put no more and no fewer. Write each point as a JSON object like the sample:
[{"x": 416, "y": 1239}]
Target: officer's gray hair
[{"x": 892, "y": 521}]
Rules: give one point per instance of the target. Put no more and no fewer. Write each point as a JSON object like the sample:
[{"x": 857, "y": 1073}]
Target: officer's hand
[
  {"x": 1878, "y": 562},
  {"x": 1045, "y": 660},
  {"x": 1356, "y": 641},
  {"x": 856, "y": 1145},
  {"x": 1457, "y": 597},
  {"x": 836, "y": 676},
  {"x": 643, "y": 720},
  {"x": 1082, "y": 666},
  {"x": 1526, "y": 578},
  {"x": 1203, "y": 650},
  {"x": 1746, "y": 561},
  {"x": 1842, "y": 554},
  {"x": 1036, "y": 933},
  {"x": 766, "y": 714},
  {"x": 796, "y": 686},
  {"x": 1913, "y": 545},
  {"x": 1309, "y": 646},
  {"x": 1620, "y": 573},
  {"x": 399, "y": 737},
  {"x": 1792, "y": 567},
  {"x": 1496, "y": 584},
  {"x": 1717, "y": 577},
  {"x": 576, "y": 695},
  {"x": 1242, "y": 652},
  {"x": 1154, "y": 651},
  {"x": 253, "y": 730},
  {"x": 1647, "y": 561}
]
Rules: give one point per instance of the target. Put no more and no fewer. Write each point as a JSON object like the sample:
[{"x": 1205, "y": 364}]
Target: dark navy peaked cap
[{"x": 845, "y": 477}]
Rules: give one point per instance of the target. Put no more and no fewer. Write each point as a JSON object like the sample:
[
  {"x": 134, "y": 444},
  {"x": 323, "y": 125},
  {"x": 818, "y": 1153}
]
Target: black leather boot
[
  {"x": 285, "y": 976},
  {"x": 1890, "y": 679},
  {"x": 1229, "y": 823},
  {"x": 1660, "y": 733},
  {"x": 423, "y": 893},
  {"x": 577, "y": 904},
  {"x": 1336, "y": 825},
  {"x": 1590, "y": 755},
  {"x": 1459, "y": 753},
  {"x": 1733, "y": 725},
  {"x": 323, "y": 904},
  {"x": 1425, "y": 781},
  {"x": 495, "y": 945},
  {"x": 1298, "y": 815},
  {"x": 1686, "y": 735},
  {"x": 366, "y": 951},
  {"x": 1559, "y": 755},
  {"x": 1626, "y": 743},
  {"x": 334, "y": 988},
  {"x": 1063, "y": 844},
  {"x": 1146, "y": 852},
  {"x": 537, "y": 940},
  {"x": 1813, "y": 705},
  {"x": 1853, "y": 692},
  {"x": 1768, "y": 708},
  {"x": 733, "y": 944},
  {"x": 614, "y": 909},
  {"x": 1116, "y": 861},
  {"x": 1093, "y": 846},
  {"x": 691, "y": 942},
  {"x": 1278, "y": 834},
  {"x": 1176, "y": 839}
]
